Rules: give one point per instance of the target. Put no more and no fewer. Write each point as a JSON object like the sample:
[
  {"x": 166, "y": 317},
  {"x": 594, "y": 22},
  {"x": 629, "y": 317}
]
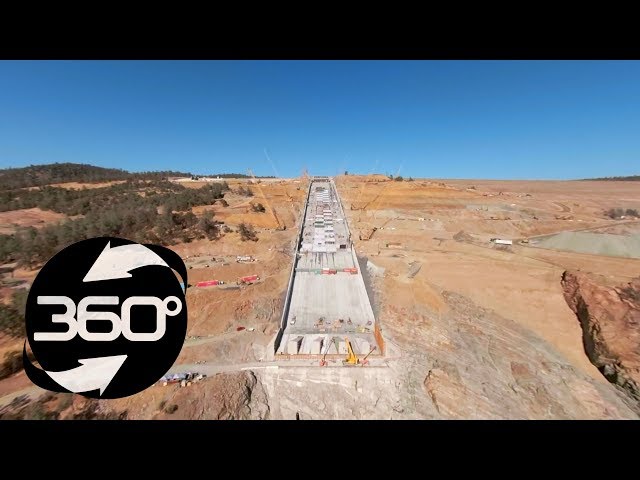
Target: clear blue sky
[{"x": 438, "y": 119}]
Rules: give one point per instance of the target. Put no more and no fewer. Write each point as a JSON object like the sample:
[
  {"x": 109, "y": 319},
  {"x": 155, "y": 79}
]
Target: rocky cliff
[{"x": 610, "y": 320}]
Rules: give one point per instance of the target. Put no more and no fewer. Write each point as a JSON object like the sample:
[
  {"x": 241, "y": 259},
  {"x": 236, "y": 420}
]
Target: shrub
[
  {"x": 245, "y": 192},
  {"x": 209, "y": 226},
  {"x": 247, "y": 232},
  {"x": 258, "y": 207},
  {"x": 11, "y": 322},
  {"x": 399, "y": 178},
  {"x": 12, "y": 364}
]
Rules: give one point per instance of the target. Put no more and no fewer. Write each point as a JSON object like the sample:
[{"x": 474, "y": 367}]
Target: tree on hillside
[
  {"x": 245, "y": 192},
  {"x": 258, "y": 207},
  {"x": 247, "y": 232},
  {"x": 208, "y": 226}
]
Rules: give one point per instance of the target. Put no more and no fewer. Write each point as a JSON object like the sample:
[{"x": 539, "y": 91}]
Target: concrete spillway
[{"x": 326, "y": 299}]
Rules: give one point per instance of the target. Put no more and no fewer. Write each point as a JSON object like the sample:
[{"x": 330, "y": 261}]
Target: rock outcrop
[
  {"x": 610, "y": 320},
  {"x": 225, "y": 396}
]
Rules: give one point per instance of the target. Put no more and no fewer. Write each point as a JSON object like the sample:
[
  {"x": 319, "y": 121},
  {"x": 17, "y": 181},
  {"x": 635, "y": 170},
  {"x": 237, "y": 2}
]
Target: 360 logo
[{"x": 106, "y": 318}]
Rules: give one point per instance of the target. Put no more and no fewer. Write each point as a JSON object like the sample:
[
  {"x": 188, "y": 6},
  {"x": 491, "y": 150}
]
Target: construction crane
[
  {"x": 323, "y": 362},
  {"x": 351, "y": 359},
  {"x": 280, "y": 226}
]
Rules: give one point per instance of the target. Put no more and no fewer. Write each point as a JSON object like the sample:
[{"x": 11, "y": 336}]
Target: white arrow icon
[
  {"x": 94, "y": 373},
  {"x": 117, "y": 262}
]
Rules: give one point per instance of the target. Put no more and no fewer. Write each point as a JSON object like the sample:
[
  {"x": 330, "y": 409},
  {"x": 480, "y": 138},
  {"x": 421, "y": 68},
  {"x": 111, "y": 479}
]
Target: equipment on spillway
[
  {"x": 351, "y": 357},
  {"x": 364, "y": 360},
  {"x": 334, "y": 341}
]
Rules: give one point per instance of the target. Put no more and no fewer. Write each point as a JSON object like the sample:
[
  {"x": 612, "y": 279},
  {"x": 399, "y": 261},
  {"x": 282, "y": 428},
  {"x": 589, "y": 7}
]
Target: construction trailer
[
  {"x": 501, "y": 241},
  {"x": 209, "y": 283}
]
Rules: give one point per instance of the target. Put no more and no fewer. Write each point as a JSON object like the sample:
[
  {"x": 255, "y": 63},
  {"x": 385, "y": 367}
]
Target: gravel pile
[{"x": 594, "y": 243}]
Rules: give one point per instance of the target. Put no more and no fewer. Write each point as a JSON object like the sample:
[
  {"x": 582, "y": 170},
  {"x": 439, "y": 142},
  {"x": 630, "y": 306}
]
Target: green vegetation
[
  {"x": 82, "y": 202},
  {"x": 12, "y": 364},
  {"x": 399, "y": 178},
  {"x": 11, "y": 322},
  {"x": 245, "y": 192},
  {"x": 247, "y": 232},
  {"x": 631, "y": 178},
  {"x": 12, "y": 316},
  {"x": 39, "y": 175},
  {"x": 258, "y": 207},
  {"x": 143, "y": 211},
  {"x": 209, "y": 226}
]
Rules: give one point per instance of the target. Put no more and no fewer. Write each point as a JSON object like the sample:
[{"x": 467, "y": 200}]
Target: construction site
[
  {"x": 327, "y": 311},
  {"x": 457, "y": 304}
]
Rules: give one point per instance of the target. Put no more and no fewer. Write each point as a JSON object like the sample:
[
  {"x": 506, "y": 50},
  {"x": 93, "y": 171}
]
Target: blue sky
[{"x": 437, "y": 119}]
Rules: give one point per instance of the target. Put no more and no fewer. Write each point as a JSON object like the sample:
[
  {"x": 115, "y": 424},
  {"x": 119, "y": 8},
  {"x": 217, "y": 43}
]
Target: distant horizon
[
  {"x": 502, "y": 120},
  {"x": 349, "y": 173}
]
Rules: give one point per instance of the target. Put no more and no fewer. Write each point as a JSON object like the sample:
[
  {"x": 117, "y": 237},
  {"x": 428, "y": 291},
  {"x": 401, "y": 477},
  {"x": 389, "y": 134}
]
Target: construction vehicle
[
  {"x": 323, "y": 362},
  {"x": 280, "y": 226},
  {"x": 351, "y": 359}
]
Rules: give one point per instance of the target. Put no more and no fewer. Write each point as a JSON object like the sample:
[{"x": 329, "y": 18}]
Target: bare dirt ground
[
  {"x": 80, "y": 186},
  {"x": 523, "y": 283},
  {"x": 474, "y": 332},
  {"x": 27, "y": 217}
]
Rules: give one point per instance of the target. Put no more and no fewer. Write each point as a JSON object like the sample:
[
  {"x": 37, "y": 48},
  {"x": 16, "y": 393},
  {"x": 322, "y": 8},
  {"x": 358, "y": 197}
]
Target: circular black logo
[{"x": 106, "y": 318}]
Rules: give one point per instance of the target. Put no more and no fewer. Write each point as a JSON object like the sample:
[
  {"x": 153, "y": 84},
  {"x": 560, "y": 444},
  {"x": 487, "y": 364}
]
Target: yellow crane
[
  {"x": 280, "y": 226},
  {"x": 351, "y": 357}
]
